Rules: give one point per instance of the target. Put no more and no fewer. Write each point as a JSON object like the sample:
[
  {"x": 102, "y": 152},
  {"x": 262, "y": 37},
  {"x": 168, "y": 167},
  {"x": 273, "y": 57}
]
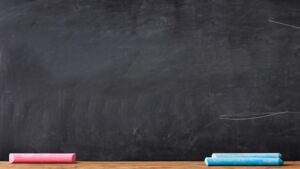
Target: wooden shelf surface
[{"x": 139, "y": 165}]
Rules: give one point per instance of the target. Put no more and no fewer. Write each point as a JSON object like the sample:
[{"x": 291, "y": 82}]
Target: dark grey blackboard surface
[{"x": 150, "y": 79}]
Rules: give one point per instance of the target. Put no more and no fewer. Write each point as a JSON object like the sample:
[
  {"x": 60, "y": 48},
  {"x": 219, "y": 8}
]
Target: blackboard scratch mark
[
  {"x": 196, "y": 138},
  {"x": 239, "y": 117},
  {"x": 284, "y": 24},
  {"x": 75, "y": 5},
  {"x": 134, "y": 131},
  {"x": 210, "y": 123}
]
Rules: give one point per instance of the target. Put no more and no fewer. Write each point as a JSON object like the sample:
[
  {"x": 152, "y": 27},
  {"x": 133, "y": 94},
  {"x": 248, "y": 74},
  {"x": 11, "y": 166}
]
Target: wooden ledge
[{"x": 139, "y": 165}]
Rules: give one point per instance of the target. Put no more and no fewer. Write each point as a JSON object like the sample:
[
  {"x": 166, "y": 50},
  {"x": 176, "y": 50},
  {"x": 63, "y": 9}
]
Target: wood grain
[{"x": 137, "y": 165}]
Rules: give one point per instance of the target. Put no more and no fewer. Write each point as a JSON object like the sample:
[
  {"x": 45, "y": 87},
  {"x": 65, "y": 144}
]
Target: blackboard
[{"x": 149, "y": 80}]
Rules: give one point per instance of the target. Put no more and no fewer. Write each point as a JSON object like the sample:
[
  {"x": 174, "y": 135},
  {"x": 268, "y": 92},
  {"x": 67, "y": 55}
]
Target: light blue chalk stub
[
  {"x": 209, "y": 161},
  {"x": 246, "y": 155}
]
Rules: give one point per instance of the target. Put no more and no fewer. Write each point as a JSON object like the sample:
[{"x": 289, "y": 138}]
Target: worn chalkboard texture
[{"x": 149, "y": 79}]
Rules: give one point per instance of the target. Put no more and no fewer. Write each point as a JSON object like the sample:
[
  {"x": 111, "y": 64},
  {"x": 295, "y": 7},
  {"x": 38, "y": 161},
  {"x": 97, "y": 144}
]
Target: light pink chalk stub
[{"x": 42, "y": 157}]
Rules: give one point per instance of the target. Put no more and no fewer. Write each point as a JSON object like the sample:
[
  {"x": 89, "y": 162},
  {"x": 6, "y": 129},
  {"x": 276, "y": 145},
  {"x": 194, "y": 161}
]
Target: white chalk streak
[
  {"x": 239, "y": 117},
  {"x": 284, "y": 24}
]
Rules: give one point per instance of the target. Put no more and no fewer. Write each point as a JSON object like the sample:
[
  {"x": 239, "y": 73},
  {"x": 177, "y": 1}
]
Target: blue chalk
[
  {"x": 209, "y": 161},
  {"x": 246, "y": 155}
]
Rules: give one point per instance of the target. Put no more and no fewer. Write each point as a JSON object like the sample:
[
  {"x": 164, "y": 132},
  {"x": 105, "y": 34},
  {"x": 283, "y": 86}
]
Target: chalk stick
[
  {"x": 42, "y": 157},
  {"x": 246, "y": 155},
  {"x": 209, "y": 161}
]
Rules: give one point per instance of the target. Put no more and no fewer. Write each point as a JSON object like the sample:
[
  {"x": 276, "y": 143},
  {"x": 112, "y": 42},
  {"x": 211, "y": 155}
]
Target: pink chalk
[{"x": 42, "y": 157}]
